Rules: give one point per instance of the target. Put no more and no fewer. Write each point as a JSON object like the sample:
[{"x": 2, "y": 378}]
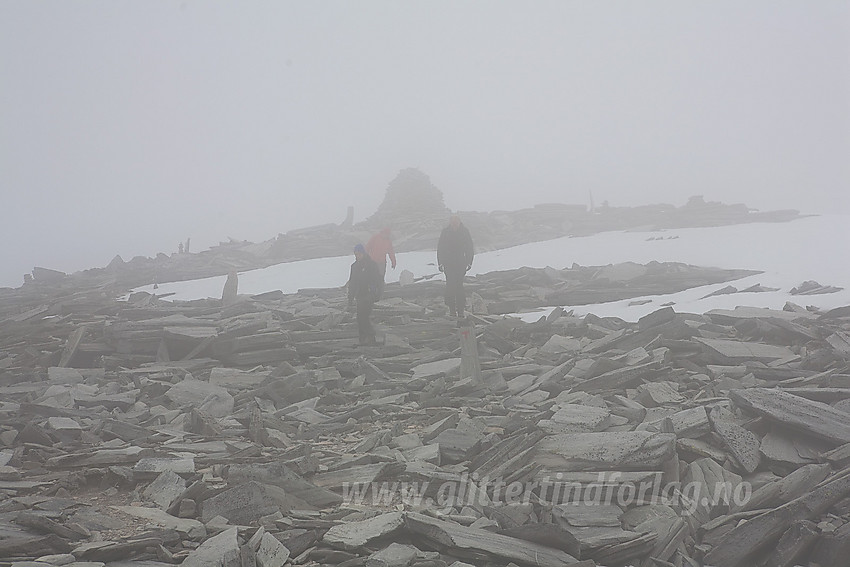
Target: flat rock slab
[
  {"x": 689, "y": 424},
  {"x": 758, "y": 313},
  {"x": 446, "y": 366},
  {"x": 588, "y": 515},
  {"x": 236, "y": 379},
  {"x": 165, "y": 489},
  {"x": 60, "y": 424},
  {"x": 617, "y": 379},
  {"x": 213, "y": 399},
  {"x": 792, "y": 450},
  {"x": 59, "y": 375},
  {"x": 658, "y": 317},
  {"x": 818, "y": 419},
  {"x": 244, "y": 503},
  {"x": 627, "y": 450},
  {"x": 184, "y": 465},
  {"x": 520, "y": 383},
  {"x": 748, "y": 538},
  {"x": 473, "y": 540},
  {"x": 357, "y": 474},
  {"x": 278, "y": 474},
  {"x": 394, "y": 555},
  {"x": 655, "y": 394},
  {"x": 575, "y": 418},
  {"x": 271, "y": 553},
  {"x": 456, "y": 445},
  {"x": 732, "y": 352},
  {"x": 558, "y": 344},
  {"x": 193, "y": 528},
  {"x": 189, "y": 333},
  {"x": 352, "y": 536},
  {"x": 743, "y": 444},
  {"x": 218, "y": 551},
  {"x": 794, "y": 542}
]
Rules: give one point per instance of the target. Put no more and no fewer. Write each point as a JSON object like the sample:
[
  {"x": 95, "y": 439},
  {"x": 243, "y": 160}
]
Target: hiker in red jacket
[{"x": 379, "y": 247}]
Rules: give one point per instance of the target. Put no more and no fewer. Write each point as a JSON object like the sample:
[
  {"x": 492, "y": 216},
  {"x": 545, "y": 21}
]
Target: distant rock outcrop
[{"x": 410, "y": 194}]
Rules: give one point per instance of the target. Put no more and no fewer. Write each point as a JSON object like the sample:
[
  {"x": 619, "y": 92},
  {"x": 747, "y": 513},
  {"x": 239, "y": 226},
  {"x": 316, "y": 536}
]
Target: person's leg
[
  {"x": 370, "y": 330},
  {"x": 364, "y": 325},
  {"x": 461, "y": 296},
  {"x": 362, "y": 316},
  {"x": 453, "y": 280},
  {"x": 450, "y": 300},
  {"x": 382, "y": 267}
]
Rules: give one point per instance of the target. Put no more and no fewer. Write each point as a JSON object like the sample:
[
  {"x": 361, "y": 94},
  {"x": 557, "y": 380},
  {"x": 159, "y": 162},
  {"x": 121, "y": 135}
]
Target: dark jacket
[
  {"x": 454, "y": 249},
  {"x": 364, "y": 280}
]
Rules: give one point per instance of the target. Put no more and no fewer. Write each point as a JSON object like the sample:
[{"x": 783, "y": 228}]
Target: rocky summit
[{"x": 137, "y": 431}]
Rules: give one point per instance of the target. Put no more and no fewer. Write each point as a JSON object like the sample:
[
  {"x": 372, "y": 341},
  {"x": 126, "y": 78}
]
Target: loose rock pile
[{"x": 149, "y": 433}]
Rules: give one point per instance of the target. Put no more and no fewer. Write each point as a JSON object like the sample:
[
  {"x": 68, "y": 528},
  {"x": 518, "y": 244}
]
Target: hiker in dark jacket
[
  {"x": 454, "y": 258},
  {"x": 363, "y": 285}
]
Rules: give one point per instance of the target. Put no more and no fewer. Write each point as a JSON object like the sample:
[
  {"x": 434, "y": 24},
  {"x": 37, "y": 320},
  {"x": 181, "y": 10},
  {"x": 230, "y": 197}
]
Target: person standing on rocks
[
  {"x": 379, "y": 247},
  {"x": 363, "y": 284},
  {"x": 454, "y": 258}
]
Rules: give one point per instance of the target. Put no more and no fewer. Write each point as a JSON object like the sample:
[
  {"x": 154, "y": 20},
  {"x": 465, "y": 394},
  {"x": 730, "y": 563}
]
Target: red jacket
[{"x": 379, "y": 246}]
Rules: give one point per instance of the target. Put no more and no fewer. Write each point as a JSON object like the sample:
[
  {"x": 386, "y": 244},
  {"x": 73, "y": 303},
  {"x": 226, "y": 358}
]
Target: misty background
[{"x": 126, "y": 127}]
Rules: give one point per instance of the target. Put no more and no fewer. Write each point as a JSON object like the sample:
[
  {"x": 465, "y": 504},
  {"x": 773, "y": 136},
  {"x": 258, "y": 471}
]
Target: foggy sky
[{"x": 128, "y": 126}]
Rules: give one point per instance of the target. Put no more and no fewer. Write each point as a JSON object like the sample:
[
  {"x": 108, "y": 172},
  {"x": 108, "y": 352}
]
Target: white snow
[{"x": 813, "y": 248}]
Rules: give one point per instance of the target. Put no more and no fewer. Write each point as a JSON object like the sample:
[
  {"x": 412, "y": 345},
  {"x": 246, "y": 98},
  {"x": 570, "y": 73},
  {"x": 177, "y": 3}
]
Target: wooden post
[{"x": 470, "y": 364}]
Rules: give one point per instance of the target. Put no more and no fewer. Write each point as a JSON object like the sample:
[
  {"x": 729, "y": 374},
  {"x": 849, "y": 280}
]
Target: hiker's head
[{"x": 359, "y": 251}]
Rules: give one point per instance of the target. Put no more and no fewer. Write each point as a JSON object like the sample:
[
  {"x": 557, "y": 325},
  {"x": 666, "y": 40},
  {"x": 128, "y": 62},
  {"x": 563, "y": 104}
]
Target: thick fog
[{"x": 130, "y": 126}]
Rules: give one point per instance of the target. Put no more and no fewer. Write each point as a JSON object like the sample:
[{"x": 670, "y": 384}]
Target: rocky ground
[{"x": 253, "y": 430}]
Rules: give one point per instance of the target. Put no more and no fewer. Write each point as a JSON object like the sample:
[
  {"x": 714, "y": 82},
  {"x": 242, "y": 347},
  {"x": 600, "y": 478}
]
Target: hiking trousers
[{"x": 455, "y": 296}]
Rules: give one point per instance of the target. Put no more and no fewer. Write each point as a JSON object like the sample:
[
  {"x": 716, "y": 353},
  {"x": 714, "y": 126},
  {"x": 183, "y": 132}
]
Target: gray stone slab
[
  {"x": 192, "y": 528},
  {"x": 658, "y": 317},
  {"x": 218, "y": 551},
  {"x": 783, "y": 448},
  {"x": 243, "y": 504},
  {"x": 59, "y": 375},
  {"x": 271, "y": 553},
  {"x": 575, "y": 418},
  {"x": 184, "y": 465},
  {"x": 743, "y": 444},
  {"x": 278, "y": 474},
  {"x": 655, "y": 394},
  {"x": 63, "y": 424},
  {"x": 447, "y": 366},
  {"x": 456, "y": 445},
  {"x": 461, "y": 539},
  {"x": 354, "y": 535},
  {"x": 165, "y": 489},
  {"x": 558, "y": 344},
  {"x": 758, "y": 313},
  {"x": 586, "y": 515},
  {"x": 728, "y": 351},
  {"x": 749, "y": 538},
  {"x": 394, "y": 555},
  {"x": 237, "y": 379},
  {"x": 213, "y": 399},
  {"x": 816, "y": 418},
  {"x": 627, "y": 450}
]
